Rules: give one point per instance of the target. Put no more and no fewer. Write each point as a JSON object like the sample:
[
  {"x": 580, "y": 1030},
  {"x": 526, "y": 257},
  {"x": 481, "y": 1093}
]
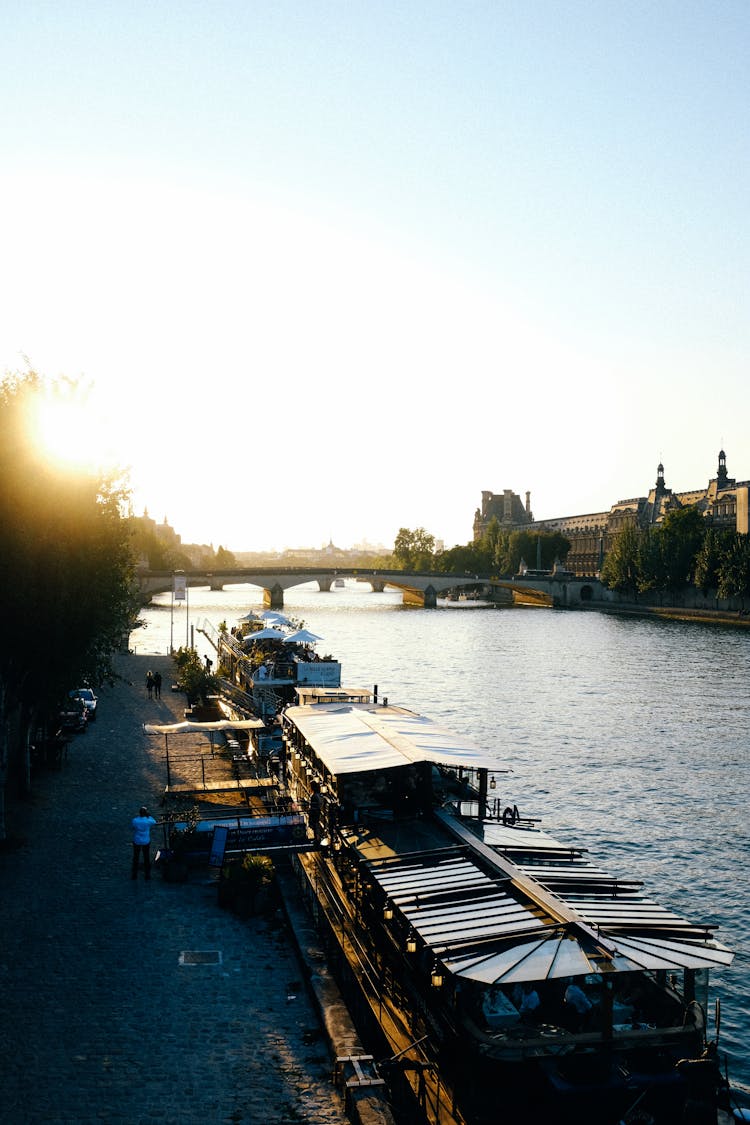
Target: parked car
[
  {"x": 88, "y": 699},
  {"x": 74, "y": 716}
]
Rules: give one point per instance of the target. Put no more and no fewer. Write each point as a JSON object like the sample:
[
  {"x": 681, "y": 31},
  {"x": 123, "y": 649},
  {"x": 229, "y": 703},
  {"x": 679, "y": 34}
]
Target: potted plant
[
  {"x": 246, "y": 886},
  {"x": 193, "y": 677},
  {"x": 174, "y": 861}
]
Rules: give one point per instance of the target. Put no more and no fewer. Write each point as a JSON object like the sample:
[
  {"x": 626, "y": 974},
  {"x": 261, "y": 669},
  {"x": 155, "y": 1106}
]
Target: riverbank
[
  {"x": 702, "y": 616},
  {"x": 136, "y": 1001}
]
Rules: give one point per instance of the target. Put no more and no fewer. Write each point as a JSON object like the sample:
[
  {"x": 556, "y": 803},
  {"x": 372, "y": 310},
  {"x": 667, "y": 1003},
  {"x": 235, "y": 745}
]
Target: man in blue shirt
[{"x": 142, "y": 825}]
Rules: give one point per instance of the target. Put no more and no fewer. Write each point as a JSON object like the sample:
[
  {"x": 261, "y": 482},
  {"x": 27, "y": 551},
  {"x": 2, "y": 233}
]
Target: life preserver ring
[
  {"x": 298, "y": 833},
  {"x": 510, "y": 816}
]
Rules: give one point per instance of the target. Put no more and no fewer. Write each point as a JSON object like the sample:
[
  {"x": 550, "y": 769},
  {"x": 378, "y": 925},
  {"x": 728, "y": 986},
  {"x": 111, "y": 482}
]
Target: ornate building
[{"x": 725, "y": 502}]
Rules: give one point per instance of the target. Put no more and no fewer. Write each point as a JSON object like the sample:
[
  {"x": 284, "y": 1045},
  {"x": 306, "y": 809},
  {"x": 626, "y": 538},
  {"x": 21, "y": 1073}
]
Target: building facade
[{"x": 724, "y": 502}]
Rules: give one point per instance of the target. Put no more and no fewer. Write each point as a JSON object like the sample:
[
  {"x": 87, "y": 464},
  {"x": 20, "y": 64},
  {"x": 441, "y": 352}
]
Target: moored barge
[
  {"x": 263, "y": 666},
  {"x": 511, "y": 976}
]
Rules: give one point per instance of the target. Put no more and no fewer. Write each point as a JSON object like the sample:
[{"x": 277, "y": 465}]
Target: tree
[
  {"x": 709, "y": 559},
  {"x": 225, "y": 558},
  {"x": 650, "y": 561},
  {"x": 621, "y": 567},
  {"x": 492, "y": 546},
  {"x": 414, "y": 550},
  {"x": 193, "y": 676},
  {"x": 681, "y": 534},
  {"x": 517, "y": 547},
  {"x": 66, "y": 576},
  {"x": 461, "y": 560},
  {"x": 734, "y": 572}
]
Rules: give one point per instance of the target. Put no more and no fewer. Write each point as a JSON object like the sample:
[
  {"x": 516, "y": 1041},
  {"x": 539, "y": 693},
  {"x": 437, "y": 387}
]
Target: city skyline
[
  {"x": 339, "y": 269},
  {"x": 318, "y": 545}
]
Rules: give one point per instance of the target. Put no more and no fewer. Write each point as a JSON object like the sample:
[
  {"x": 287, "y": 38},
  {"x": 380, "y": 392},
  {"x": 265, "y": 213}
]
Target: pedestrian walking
[
  {"x": 142, "y": 825},
  {"x": 157, "y": 685},
  {"x": 150, "y": 684}
]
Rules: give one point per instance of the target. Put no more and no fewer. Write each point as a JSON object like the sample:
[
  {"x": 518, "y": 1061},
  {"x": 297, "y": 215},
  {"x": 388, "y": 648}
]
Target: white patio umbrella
[
  {"x": 264, "y": 635},
  {"x": 251, "y": 615},
  {"x": 274, "y": 617},
  {"x": 302, "y": 637}
]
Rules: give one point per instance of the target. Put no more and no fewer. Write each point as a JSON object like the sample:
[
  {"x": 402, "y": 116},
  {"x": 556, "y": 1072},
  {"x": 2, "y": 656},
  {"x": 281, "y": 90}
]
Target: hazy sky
[{"x": 335, "y": 268}]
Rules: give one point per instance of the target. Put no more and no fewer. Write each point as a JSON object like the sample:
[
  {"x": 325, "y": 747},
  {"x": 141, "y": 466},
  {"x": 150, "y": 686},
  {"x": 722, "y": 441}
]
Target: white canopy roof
[
  {"x": 186, "y": 727},
  {"x": 303, "y": 637},
  {"x": 351, "y": 738},
  {"x": 273, "y": 617},
  {"x": 484, "y": 928},
  {"x": 267, "y": 634}
]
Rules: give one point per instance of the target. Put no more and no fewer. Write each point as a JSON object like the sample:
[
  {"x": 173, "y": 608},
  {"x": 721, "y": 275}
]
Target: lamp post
[{"x": 179, "y": 593}]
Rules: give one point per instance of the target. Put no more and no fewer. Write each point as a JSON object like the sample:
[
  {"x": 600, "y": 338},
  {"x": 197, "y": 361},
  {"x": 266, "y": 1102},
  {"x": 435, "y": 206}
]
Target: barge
[
  {"x": 262, "y": 667},
  {"x": 510, "y": 977}
]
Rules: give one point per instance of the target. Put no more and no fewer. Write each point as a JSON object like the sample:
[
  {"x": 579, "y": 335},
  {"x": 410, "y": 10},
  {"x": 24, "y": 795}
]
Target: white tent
[
  {"x": 264, "y": 635},
  {"x": 355, "y": 739},
  {"x": 302, "y": 637},
  {"x": 274, "y": 617},
  {"x": 188, "y": 727}
]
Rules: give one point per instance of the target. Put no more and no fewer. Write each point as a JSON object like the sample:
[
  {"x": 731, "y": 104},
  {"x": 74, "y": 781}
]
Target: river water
[{"x": 628, "y": 737}]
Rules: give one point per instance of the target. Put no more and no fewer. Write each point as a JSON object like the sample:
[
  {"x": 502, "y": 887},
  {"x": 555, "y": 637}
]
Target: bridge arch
[{"x": 418, "y": 589}]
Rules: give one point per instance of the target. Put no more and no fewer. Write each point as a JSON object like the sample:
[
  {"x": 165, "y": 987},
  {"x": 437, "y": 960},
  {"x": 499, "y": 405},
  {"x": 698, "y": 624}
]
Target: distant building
[
  {"x": 327, "y": 555},
  {"x": 724, "y": 502},
  {"x": 162, "y": 531},
  {"x": 505, "y": 507}
]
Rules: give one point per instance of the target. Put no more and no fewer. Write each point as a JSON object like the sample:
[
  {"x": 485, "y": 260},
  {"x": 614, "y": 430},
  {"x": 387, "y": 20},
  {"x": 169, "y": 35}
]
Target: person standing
[
  {"x": 578, "y": 1007},
  {"x": 150, "y": 684},
  {"x": 142, "y": 825},
  {"x": 314, "y": 810},
  {"x": 157, "y": 685}
]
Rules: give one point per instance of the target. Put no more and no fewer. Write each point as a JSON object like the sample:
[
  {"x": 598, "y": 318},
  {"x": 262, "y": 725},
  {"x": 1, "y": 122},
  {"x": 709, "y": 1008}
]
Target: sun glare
[{"x": 68, "y": 432}]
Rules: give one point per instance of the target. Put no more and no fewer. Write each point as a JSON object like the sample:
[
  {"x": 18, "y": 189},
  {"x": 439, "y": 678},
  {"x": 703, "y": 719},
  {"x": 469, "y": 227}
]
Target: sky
[{"x": 332, "y": 269}]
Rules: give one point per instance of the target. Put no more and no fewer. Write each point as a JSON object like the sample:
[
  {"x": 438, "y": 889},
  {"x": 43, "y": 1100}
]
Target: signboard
[
  {"x": 218, "y": 845},
  {"x": 266, "y": 834},
  {"x": 319, "y": 674},
  {"x": 179, "y": 587},
  {"x": 253, "y": 833}
]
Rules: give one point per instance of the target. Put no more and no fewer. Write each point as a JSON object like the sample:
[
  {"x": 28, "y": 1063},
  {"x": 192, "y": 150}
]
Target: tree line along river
[{"x": 628, "y": 736}]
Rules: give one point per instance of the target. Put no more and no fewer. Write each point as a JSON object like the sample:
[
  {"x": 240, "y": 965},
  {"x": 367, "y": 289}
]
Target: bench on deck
[{"x": 356, "y": 1071}]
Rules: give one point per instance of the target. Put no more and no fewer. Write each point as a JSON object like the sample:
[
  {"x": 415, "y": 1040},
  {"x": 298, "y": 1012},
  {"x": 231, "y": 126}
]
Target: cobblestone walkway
[{"x": 102, "y": 1018}]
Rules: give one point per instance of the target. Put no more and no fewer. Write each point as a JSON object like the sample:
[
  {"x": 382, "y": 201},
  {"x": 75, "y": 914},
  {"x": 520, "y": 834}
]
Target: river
[{"x": 627, "y": 736}]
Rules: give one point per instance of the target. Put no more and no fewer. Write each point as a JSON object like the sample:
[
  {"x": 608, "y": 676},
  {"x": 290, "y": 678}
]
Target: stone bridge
[{"x": 418, "y": 589}]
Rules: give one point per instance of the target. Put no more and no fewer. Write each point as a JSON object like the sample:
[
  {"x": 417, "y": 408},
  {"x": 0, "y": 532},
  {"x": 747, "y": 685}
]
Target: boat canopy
[
  {"x": 485, "y": 927},
  {"x": 188, "y": 727},
  {"x": 350, "y": 738}
]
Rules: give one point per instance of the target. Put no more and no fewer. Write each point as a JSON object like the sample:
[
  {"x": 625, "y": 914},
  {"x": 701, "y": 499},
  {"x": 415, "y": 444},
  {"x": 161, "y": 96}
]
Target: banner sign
[
  {"x": 319, "y": 674},
  {"x": 179, "y": 587},
  {"x": 218, "y": 845},
  {"x": 246, "y": 834},
  {"x": 287, "y": 830}
]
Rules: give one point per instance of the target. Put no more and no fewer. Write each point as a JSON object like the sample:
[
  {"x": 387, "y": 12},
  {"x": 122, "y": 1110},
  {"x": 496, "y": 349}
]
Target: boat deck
[{"x": 382, "y": 839}]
